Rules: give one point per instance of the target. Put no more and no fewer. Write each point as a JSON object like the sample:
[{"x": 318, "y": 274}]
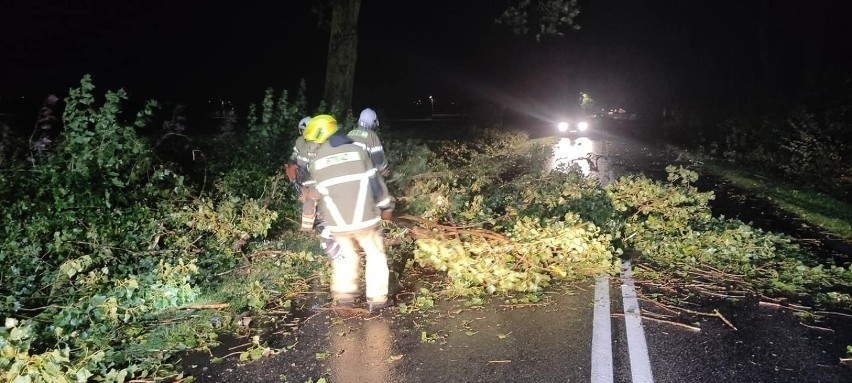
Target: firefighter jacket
[
  {"x": 352, "y": 193},
  {"x": 303, "y": 152},
  {"x": 369, "y": 140}
]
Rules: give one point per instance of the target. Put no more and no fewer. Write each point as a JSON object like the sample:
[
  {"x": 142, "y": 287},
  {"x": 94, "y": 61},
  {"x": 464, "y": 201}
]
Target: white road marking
[
  {"x": 602, "y": 371},
  {"x": 640, "y": 363}
]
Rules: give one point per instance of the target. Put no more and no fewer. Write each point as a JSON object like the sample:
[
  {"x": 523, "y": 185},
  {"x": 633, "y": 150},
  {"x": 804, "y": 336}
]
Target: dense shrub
[
  {"x": 100, "y": 242},
  {"x": 803, "y": 148}
]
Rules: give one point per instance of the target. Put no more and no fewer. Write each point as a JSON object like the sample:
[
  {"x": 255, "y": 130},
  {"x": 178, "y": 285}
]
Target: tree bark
[{"x": 342, "y": 54}]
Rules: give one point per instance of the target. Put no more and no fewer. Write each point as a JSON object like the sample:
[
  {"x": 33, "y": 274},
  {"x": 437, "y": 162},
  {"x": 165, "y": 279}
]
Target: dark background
[{"x": 721, "y": 56}]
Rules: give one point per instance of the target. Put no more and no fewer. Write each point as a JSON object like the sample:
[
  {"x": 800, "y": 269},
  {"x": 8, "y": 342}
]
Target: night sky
[{"x": 640, "y": 54}]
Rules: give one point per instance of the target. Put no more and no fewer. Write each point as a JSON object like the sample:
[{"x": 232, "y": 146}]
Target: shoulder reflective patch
[
  {"x": 336, "y": 159},
  {"x": 358, "y": 133}
]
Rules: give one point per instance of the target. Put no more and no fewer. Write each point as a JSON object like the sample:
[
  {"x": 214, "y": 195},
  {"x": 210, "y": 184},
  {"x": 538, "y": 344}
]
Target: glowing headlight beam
[
  {"x": 582, "y": 125},
  {"x": 562, "y": 126}
]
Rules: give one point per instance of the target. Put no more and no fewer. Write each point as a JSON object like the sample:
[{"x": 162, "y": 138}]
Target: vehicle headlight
[
  {"x": 562, "y": 126},
  {"x": 582, "y": 125}
]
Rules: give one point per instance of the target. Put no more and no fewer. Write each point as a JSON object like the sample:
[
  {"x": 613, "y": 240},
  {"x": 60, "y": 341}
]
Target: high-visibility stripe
[
  {"x": 384, "y": 202},
  {"x": 358, "y": 215},
  {"x": 376, "y": 149},
  {"x": 332, "y": 208},
  {"x": 335, "y": 159},
  {"x": 336, "y": 215},
  {"x": 347, "y": 178}
]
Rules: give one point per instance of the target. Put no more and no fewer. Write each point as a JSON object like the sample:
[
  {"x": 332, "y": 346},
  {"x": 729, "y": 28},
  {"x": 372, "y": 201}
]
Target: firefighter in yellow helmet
[
  {"x": 353, "y": 200},
  {"x": 303, "y": 153}
]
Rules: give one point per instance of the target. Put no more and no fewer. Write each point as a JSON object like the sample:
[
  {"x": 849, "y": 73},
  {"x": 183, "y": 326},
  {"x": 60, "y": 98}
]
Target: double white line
[{"x": 640, "y": 363}]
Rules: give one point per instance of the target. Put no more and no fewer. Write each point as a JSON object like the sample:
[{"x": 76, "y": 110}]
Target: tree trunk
[
  {"x": 766, "y": 81},
  {"x": 342, "y": 54}
]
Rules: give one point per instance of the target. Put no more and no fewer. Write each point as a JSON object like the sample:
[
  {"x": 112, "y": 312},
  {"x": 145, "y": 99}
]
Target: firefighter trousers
[{"x": 345, "y": 269}]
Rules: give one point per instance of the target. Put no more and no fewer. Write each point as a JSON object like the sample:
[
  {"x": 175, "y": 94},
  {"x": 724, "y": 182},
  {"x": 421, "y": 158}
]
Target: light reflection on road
[
  {"x": 361, "y": 350},
  {"x": 591, "y": 156}
]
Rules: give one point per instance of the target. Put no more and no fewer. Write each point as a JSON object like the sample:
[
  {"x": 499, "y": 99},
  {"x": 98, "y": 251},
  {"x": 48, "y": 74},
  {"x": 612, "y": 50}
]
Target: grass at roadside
[{"x": 817, "y": 209}]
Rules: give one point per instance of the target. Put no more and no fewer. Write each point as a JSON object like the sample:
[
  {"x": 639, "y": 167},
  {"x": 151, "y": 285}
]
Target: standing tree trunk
[{"x": 342, "y": 54}]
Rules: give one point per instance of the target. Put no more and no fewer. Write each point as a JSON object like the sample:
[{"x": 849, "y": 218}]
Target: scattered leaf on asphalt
[{"x": 322, "y": 356}]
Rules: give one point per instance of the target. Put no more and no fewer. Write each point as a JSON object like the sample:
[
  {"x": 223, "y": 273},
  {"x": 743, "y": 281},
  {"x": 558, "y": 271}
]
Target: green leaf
[
  {"x": 83, "y": 375},
  {"x": 322, "y": 355}
]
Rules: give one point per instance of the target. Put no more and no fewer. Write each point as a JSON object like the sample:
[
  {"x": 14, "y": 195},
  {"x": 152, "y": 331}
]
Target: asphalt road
[{"x": 575, "y": 336}]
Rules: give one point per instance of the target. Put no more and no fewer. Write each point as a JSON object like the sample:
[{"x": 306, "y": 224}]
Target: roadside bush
[
  {"x": 813, "y": 156},
  {"x": 801, "y": 147},
  {"x": 672, "y": 226},
  {"x": 100, "y": 243},
  {"x": 248, "y": 165}
]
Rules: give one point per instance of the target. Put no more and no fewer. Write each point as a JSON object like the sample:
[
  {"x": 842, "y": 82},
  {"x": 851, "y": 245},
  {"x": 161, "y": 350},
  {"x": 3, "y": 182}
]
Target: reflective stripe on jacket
[
  {"x": 369, "y": 140},
  {"x": 303, "y": 152},
  {"x": 352, "y": 194}
]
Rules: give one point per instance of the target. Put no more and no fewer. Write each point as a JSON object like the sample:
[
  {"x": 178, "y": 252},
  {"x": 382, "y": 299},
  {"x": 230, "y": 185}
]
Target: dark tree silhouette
[{"x": 549, "y": 17}]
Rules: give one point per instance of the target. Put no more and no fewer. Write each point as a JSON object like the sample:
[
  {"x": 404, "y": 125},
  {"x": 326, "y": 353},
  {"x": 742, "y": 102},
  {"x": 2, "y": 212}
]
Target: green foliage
[
  {"x": 515, "y": 226},
  {"x": 535, "y": 219},
  {"x": 671, "y": 225},
  {"x": 245, "y": 168},
  {"x": 421, "y": 303},
  {"x": 801, "y": 147},
  {"x": 811, "y": 154},
  {"x": 534, "y": 254},
  {"x": 100, "y": 245},
  {"x": 547, "y": 17}
]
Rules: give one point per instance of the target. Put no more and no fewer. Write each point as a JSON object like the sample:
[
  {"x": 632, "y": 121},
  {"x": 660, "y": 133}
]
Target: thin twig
[
  {"x": 658, "y": 304},
  {"x": 214, "y": 306},
  {"x": 703, "y": 291},
  {"x": 688, "y": 327},
  {"x": 816, "y": 327},
  {"x": 239, "y": 345},
  {"x": 231, "y": 354},
  {"x": 833, "y": 313},
  {"x": 656, "y": 315},
  {"x": 519, "y": 305},
  {"x": 722, "y": 317},
  {"x": 776, "y": 305}
]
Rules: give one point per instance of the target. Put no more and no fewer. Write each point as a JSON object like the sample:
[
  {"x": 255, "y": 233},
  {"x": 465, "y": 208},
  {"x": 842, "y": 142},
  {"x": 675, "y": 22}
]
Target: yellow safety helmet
[{"x": 320, "y": 128}]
